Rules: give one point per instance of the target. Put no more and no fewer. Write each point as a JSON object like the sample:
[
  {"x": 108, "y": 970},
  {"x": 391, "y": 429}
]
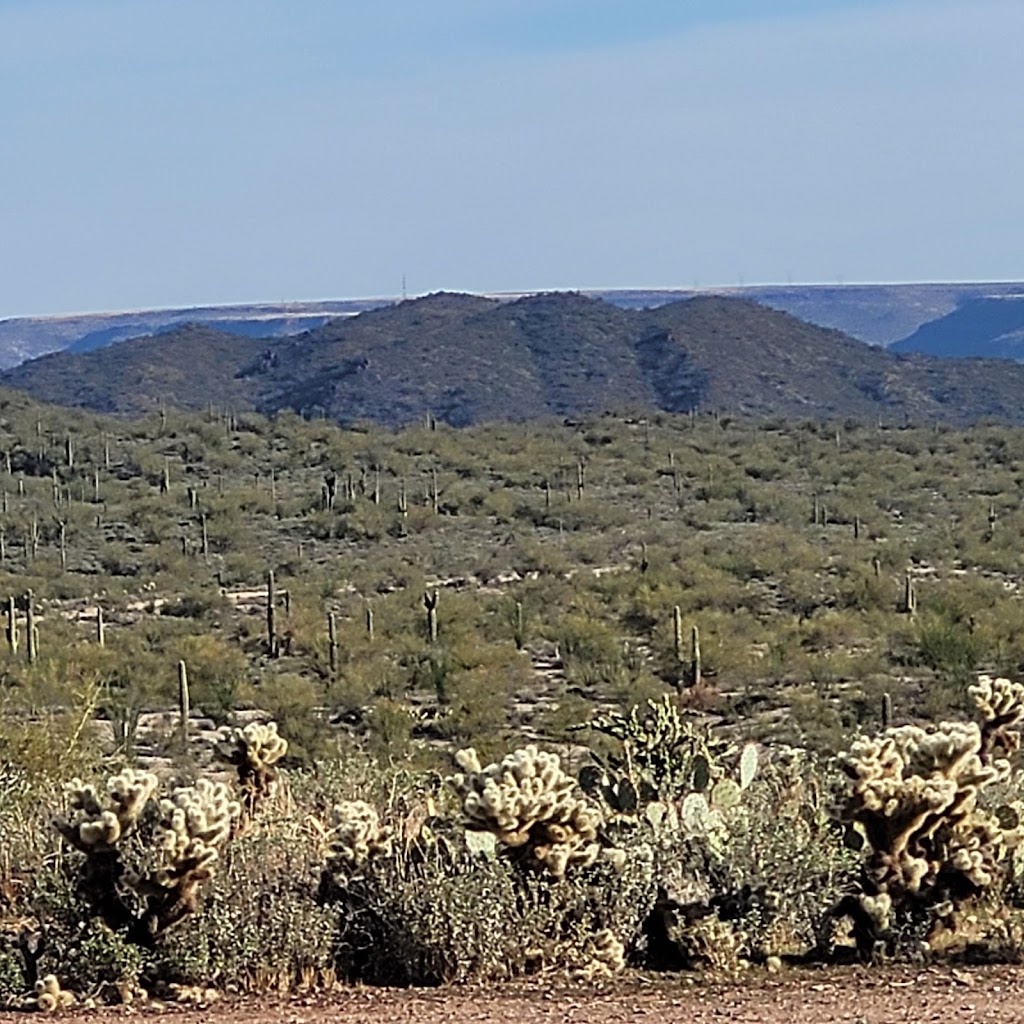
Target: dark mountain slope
[
  {"x": 397, "y": 363},
  {"x": 581, "y": 350},
  {"x": 760, "y": 361},
  {"x": 989, "y": 327},
  {"x": 767, "y": 363},
  {"x": 189, "y": 367},
  {"x": 466, "y": 359},
  {"x": 462, "y": 359}
]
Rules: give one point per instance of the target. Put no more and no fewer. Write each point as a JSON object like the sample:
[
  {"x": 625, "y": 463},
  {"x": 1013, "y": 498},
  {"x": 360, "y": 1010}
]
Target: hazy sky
[{"x": 171, "y": 152}]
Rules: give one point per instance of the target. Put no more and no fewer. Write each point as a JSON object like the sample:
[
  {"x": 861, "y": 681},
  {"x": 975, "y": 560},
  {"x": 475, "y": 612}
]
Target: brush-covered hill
[
  {"x": 462, "y": 358},
  {"x": 467, "y": 359},
  {"x": 188, "y": 367}
]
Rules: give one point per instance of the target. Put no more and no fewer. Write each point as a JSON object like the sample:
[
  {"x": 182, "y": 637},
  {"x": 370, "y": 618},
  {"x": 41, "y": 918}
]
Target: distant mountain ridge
[
  {"x": 991, "y": 327},
  {"x": 877, "y": 313},
  {"x": 468, "y": 358},
  {"x": 23, "y": 338}
]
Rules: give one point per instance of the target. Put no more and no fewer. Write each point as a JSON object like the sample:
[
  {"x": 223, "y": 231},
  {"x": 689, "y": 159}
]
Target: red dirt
[{"x": 793, "y": 997}]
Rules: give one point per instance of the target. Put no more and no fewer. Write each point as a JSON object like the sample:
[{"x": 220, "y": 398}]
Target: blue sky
[{"x": 162, "y": 153}]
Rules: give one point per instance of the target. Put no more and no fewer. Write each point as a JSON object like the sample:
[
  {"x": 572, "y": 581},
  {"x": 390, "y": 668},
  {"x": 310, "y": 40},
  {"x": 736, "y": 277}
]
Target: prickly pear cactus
[{"x": 664, "y": 756}]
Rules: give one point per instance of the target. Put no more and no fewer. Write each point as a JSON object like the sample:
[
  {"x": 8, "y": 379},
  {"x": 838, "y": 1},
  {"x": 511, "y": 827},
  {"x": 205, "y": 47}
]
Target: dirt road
[{"x": 793, "y": 997}]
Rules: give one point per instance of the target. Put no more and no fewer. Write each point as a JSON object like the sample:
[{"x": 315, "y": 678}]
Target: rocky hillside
[{"x": 466, "y": 359}]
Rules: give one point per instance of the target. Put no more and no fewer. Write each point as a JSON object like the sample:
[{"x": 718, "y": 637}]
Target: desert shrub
[
  {"x": 96, "y": 959},
  {"x": 427, "y": 908},
  {"x": 13, "y": 981},
  {"x": 261, "y": 925},
  {"x": 787, "y": 865}
]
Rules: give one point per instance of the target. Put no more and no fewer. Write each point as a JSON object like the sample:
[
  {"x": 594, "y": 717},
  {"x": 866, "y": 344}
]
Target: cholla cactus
[
  {"x": 915, "y": 797},
  {"x": 47, "y": 996},
  {"x": 356, "y": 838},
  {"x": 173, "y": 848},
  {"x": 194, "y": 823},
  {"x": 907, "y": 786},
  {"x": 1001, "y": 705},
  {"x": 99, "y": 819},
  {"x": 254, "y": 751},
  {"x": 606, "y": 954},
  {"x": 530, "y": 805}
]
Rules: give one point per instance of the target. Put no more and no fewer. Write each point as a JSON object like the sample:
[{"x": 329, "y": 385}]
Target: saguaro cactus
[
  {"x": 909, "y": 595},
  {"x": 430, "y": 604},
  {"x": 272, "y": 648},
  {"x": 695, "y": 666},
  {"x": 12, "y": 625},
  {"x": 183, "y": 703},
  {"x": 30, "y": 628},
  {"x": 332, "y": 643},
  {"x": 677, "y": 636},
  {"x": 518, "y": 628}
]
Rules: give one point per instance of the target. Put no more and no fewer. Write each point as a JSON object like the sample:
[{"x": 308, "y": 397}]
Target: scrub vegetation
[{"x": 434, "y": 705}]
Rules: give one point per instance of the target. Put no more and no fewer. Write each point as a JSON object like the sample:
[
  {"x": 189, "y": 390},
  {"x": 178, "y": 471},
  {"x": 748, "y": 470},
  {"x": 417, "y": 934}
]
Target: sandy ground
[{"x": 794, "y": 997}]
